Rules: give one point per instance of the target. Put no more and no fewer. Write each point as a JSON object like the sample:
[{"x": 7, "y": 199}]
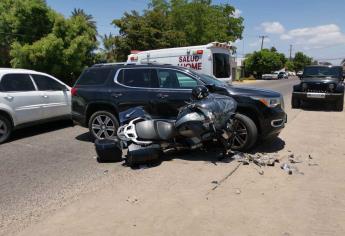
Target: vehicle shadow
[
  {"x": 322, "y": 106},
  {"x": 212, "y": 156},
  {"x": 269, "y": 146},
  {"x": 85, "y": 137},
  {"x": 40, "y": 129}
]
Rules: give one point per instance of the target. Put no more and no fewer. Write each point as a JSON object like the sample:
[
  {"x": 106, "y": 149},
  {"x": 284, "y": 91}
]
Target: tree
[
  {"x": 301, "y": 60},
  {"x": 64, "y": 52},
  {"x": 89, "y": 18},
  {"x": 264, "y": 61},
  {"x": 176, "y": 23},
  {"x": 109, "y": 51},
  {"x": 289, "y": 66},
  {"x": 22, "y": 21}
]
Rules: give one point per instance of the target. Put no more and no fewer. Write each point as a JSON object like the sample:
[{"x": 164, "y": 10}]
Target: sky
[{"x": 315, "y": 27}]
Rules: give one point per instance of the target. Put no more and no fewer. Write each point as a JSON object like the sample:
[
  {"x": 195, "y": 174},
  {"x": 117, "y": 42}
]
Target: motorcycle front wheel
[{"x": 245, "y": 133}]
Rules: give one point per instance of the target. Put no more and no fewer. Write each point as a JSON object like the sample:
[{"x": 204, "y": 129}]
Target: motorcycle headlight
[{"x": 271, "y": 102}]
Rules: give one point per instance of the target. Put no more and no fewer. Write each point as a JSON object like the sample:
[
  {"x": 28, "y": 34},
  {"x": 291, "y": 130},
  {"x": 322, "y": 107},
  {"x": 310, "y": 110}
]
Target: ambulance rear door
[{"x": 221, "y": 63}]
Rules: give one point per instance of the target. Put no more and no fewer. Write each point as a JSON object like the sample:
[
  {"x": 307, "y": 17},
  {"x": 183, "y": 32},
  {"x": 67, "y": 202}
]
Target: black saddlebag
[
  {"x": 138, "y": 155},
  {"x": 108, "y": 150}
]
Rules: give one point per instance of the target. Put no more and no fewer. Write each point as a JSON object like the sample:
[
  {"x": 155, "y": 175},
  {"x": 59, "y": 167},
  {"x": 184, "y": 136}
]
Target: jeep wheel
[
  {"x": 295, "y": 103},
  {"x": 246, "y": 133},
  {"x": 5, "y": 129},
  {"x": 103, "y": 124},
  {"x": 339, "y": 106}
]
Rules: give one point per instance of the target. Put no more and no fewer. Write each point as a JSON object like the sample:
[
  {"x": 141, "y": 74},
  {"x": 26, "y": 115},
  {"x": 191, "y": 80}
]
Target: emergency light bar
[
  {"x": 133, "y": 57},
  {"x": 198, "y": 52},
  {"x": 219, "y": 45}
]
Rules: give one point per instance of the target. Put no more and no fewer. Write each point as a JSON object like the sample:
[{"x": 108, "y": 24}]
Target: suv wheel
[
  {"x": 246, "y": 133},
  {"x": 339, "y": 106},
  {"x": 103, "y": 125},
  {"x": 5, "y": 129}
]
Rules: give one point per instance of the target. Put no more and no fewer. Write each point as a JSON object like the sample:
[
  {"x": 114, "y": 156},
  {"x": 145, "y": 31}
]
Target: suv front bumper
[
  {"x": 274, "y": 120},
  {"x": 317, "y": 96}
]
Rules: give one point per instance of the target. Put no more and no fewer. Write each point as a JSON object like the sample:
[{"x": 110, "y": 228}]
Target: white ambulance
[{"x": 213, "y": 59}]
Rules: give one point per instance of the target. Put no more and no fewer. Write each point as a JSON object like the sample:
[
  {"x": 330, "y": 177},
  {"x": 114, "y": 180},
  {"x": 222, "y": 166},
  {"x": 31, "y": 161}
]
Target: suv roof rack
[{"x": 112, "y": 64}]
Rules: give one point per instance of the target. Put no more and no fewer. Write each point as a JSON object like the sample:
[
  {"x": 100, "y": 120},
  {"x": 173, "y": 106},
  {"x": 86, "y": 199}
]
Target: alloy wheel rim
[
  {"x": 240, "y": 134},
  {"x": 3, "y": 129},
  {"x": 103, "y": 127}
]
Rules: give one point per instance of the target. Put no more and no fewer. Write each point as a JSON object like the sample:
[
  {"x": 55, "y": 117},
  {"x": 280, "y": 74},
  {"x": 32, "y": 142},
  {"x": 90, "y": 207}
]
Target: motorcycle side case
[
  {"x": 108, "y": 150},
  {"x": 138, "y": 155}
]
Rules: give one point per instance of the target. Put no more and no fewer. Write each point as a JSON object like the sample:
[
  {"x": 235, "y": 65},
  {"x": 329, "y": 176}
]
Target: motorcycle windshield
[
  {"x": 131, "y": 114},
  {"x": 222, "y": 108}
]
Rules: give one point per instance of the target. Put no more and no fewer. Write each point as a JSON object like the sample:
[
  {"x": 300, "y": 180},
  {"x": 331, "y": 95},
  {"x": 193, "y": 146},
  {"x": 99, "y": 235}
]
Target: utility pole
[
  {"x": 290, "y": 52},
  {"x": 262, "y": 40}
]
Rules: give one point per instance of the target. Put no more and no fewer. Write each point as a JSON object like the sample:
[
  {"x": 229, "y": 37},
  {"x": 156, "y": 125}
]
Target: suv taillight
[{"x": 74, "y": 91}]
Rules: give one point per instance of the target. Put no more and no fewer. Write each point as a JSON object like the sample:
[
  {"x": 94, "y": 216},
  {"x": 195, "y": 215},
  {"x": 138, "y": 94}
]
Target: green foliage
[
  {"x": 289, "y": 65},
  {"x": 175, "y": 23},
  {"x": 23, "y": 21},
  {"x": 264, "y": 61},
  {"x": 43, "y": 40},
  {"x": 301, "y": 60}
]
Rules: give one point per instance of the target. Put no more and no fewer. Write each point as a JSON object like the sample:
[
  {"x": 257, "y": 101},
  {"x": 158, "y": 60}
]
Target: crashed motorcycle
[{"x": 201, "y": 121}]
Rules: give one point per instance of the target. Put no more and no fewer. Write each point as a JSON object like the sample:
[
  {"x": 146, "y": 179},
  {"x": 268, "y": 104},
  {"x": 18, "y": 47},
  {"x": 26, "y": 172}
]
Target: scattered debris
[
  {"x": 258, "y": 159},
  {"x": 214, "y": 182},
  {"x": 264, "y": 159},
  {"x": 132, "y": 200},
  {"x": 290, "y": 169},
  {"x": 287, "y": 168},
  {"x": 238, "y": 191},
  {"x": 105, "y": 172}
]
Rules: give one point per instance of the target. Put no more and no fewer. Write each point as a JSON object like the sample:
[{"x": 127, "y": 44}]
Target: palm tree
[{"x": 88, "y": 17}]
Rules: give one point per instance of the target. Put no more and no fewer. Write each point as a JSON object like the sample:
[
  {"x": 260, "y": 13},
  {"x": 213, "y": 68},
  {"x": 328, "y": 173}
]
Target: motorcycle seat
[{"x": 155, "y": 130}]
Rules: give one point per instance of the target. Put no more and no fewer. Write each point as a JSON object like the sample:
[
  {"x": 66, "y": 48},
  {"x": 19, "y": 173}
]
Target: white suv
[{"x": 28, "y": 97}]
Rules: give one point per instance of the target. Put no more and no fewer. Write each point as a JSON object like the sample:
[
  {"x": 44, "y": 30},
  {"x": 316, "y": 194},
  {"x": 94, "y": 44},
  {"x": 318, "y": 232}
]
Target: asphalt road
[{"x": 44, "y": 167}]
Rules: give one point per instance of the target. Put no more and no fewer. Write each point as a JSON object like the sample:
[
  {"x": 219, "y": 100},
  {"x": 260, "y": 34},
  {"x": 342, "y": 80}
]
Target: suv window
[
  {"x": 221, "y": 65},
  {"x": 46, "y": 83},
  {"x": 17, "y": 83},
  {"x": 174, "y": 79},
  {"x": 142, "y": 78},
  {"x": 94, "y": 76}
]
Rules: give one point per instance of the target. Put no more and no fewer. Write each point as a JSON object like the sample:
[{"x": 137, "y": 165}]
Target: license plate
[{"x": 316, "y": 95}]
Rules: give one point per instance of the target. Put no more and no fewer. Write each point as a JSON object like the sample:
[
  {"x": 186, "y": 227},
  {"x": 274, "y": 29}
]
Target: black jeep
[{"x": 320, "y": 83}]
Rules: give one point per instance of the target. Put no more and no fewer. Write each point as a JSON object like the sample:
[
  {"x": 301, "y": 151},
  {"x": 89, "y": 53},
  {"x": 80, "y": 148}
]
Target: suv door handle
[
  {"x": 162, "y": 96},
  {"x": 116, "y": 95}
]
